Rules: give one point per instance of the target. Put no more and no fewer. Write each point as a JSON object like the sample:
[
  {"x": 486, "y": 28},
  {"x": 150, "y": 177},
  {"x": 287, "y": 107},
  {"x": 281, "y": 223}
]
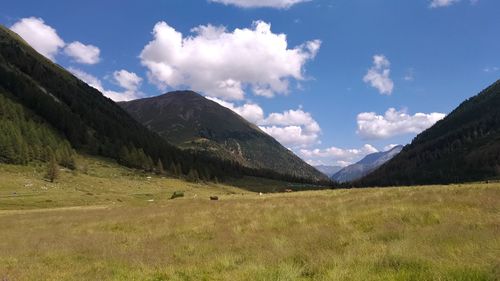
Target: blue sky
[{"x": 354, "y": 77}]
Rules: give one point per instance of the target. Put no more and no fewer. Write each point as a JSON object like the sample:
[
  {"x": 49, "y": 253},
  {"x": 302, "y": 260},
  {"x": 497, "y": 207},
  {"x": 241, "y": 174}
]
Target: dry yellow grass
[{"x": 419, "y": 233}]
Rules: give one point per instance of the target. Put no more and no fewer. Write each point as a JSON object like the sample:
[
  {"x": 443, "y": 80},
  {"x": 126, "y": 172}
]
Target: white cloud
[
  {"x": 223, "y": 63},
  {"x": 378, "y": 75},
  {"x": 40, "y": 36},
  {"x": 280, "y": 4},
  {"x": 130, "y": 93},
  {"x": 81, "y": 53},
  {"x": 390, "y": 146},
  {"x": 291, "y": 136},
  {"x": 292, "y": 128},
  {"x": 491, "y": 69},
  {"x": 337, "y": 156},
  {"x": 127, "y": 80},
  {"x": 446, "y": 3},
  {"x": 123, "y": 96},
  {"x": 45, "y": 40},
  {"x": 251, "y": 112},
  {"x": 393, "y": 123},
  {"x": 442, "y": 3},
  {"x": 87, "y": 78}
]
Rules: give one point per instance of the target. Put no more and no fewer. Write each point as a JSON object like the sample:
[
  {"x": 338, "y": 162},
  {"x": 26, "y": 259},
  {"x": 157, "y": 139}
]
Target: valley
[
  {"x": 112, "y": 223},
  {"x": 250, "y": 140}
]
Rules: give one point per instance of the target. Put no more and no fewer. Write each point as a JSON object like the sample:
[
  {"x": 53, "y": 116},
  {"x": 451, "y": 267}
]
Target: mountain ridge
[
  {"x": 366, "y": 165},
  {"x": 94, "y": 124},
  {"x": 190, "y": 121},
  {"x": 462, "y": 147}
]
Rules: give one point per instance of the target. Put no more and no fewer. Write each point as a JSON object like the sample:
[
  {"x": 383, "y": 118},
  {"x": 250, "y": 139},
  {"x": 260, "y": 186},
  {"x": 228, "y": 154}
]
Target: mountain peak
[
  {"x": 366, "y": 165},
  {"x": 194, "y": 122}
]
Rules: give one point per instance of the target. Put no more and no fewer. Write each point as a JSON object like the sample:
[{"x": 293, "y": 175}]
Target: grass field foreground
[{"x": 418, "y": 233}]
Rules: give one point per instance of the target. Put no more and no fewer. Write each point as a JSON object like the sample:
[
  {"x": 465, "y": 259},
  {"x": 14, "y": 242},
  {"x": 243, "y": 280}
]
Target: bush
[{"x": 177, "y": 194}]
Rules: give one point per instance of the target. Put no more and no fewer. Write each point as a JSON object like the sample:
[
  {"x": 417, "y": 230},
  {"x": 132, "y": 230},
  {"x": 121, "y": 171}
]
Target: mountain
[
  {"x": 45, "y": 99},
  {"x": 464, "y": 146},
  {"x": 328, "y": 170},
  {"x": 366, "y": 165},
  {"x": 193, "y": 122}
]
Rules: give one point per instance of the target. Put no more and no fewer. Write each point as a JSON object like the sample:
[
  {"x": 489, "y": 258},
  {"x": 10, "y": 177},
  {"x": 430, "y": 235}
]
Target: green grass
[{"x": 419, "y": 233}]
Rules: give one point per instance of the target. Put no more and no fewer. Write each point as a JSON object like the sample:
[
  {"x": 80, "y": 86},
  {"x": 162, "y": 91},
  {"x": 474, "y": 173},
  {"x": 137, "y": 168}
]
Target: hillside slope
[
  {"x": 464, "y": 146},
  {"x": 329, "y": 171},
  {"x": 193, "y": 122},
  {"x": 94, "y": 124},
  {"x": 366, "y": 165},
  {"x": 80, "y": 113}
]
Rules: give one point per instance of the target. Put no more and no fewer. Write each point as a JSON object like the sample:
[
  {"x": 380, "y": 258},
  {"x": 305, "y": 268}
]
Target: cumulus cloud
[
  {"x": 337, "y": 156},
  {"x": 393, "y": 123},
  {"x": 442, "y": 3},
  {"x": 292, "y": 128},
  {"x": 45, "y": 40},
  {"x": 40, "y": 36},
  {"x": 119, "y": 77},
  {"x": 81, "y": 53},
  {"x": 390, "y": 146},
  {"x": 280, "y": 4},
  {"x": 127, "y": 80},
  {"x": 90, "y": 79},
  {"x": 378, "y": 75},
  {"x": 291, "y": 136},
  {"x": 224, "y": 64},
  {"x": 250, "y": 111}
]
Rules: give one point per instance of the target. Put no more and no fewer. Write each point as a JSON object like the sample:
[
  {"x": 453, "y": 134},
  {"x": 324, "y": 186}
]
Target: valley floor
[{"x": 110, "y": 223}]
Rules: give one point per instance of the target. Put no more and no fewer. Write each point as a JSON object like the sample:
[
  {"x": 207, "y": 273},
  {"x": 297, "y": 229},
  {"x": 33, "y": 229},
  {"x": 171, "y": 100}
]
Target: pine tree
[
  {"x": 159, "y": 168},
  {"x": 193, "y": 175},
  {"x": 52, "y": 169}
]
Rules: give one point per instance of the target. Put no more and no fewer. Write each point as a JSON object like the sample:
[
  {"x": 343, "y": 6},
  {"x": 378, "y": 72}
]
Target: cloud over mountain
[
  {"x": 292, "y": 128},
  {"x": 224, "y": 64},
  {"x": 40, "y": 36},
  {"x": 47, "y": 42},
  {"x": 337, "y": 156},
  {"x": 129, "y": 81},
  {"x": 394, "y": 122},
  {"x": 81, "y": 53}
]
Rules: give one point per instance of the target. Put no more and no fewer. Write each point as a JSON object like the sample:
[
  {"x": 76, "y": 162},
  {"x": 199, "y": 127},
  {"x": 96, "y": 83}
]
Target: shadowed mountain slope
[
  {"x": 94, "y": 124},
  {"x": 464, "y": 146},
  {"x": 193, "y": 122},
  {"x": 366, "y": 165}
]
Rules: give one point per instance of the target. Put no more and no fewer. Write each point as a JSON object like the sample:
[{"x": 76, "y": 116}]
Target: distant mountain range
[
  {"x": 366, "y": 165},
  {"x": 464, "y": 146},
  {"x": 193, "y": 122},
  {"x": 329, "y": 171}
]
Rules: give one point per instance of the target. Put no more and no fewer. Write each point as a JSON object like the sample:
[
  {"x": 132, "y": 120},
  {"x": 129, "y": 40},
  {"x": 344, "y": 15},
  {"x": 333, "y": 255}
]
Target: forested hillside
[
  {"x": 24, "y": 137},
  {"x": 193, "y": 122},
  {"x": 464, "y": 146},
  {"x": 94, "y": 124}
]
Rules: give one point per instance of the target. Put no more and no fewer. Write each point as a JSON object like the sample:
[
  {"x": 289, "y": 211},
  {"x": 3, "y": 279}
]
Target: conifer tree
[
  {"x": 52, "y": 169},
  {"x": 159, "y": 167}
]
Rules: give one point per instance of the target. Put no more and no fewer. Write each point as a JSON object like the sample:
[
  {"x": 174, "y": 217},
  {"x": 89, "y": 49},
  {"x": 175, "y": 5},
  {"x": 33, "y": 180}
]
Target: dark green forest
[
  {"x": 94, "y": 124},
  {"x": 25, "y": 138},
  {"x": 463, "y": 147},
  {"x": 191, "y": 121}
]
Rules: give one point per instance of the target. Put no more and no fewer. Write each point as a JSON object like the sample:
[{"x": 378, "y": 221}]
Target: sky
[{"x": 332, "y": 80}]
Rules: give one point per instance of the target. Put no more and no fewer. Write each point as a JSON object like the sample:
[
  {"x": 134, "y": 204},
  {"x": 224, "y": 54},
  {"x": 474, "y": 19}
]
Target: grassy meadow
[{"x": 105, "y": 222}]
